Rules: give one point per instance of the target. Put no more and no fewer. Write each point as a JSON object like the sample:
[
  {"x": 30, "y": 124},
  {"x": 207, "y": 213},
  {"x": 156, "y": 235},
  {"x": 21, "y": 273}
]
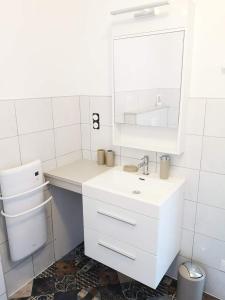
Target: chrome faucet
[{"x": 145, "y": 165}]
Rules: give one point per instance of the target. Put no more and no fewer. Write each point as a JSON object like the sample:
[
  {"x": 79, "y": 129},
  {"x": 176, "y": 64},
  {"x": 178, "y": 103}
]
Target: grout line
[
  {"x": 207, "y": 236},
  {"x": 81, "y": 135},
  {"x": 90, "y": 126},
  {"x": 53, "y": 123},
  {"x": 38, "y": 131},
  {"x": 17, "y": 129},
  {"x": 196, "y": 209}
]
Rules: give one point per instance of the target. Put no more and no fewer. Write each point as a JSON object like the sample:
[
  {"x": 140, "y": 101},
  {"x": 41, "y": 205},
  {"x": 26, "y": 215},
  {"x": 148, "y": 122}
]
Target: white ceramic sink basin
[{"x": 120, "y": 186}]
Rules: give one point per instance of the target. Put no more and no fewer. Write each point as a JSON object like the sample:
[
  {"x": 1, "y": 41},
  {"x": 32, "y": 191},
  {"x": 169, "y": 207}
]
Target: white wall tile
[
  {"x": 86, "y": 154},
  {"x": 215, "y": 282},
  {"x": 192, "y": 180},
  {"x": 102, "y": 106},
  {"x": 34, "y": 115},
  {"x": 192, "y": 153},
  {"x": 67, "y": 139},
  {"x": 210, "y": 252},
  {"x": 8, "y": 127},
  {"x": 86, "y": 136},
  {"x": 43, "y": 258},
  {"x": 3, "y": 297},
  {"x": 85, "y": 109},
  {"x": 39, "y": 145},
  {"x": 213, "y": 158},
  {"x": 101, "y": 139},
  {"x": 189, "y": 215},
  {"x": 69, "y": 158},
  {"x": 195, "y": 116},
  {"x": 187, "y": 243},
  {"x": 48, "y": 207},
  {"x": 9, "y": 153},
  {"x": 49, "y": 165},
  {"x": 138, "y": 154},
  {"x": 7, "y": 263},
  {"x": 2, "y": 280},
  {"x": 215, "y": 120},
  {"x": 66, "y": 111},
  {"x": 19, "y": 276},
  {"x": 210, "y": 221},
  {"x": 212, "y": 189},
  {"x": 50, "y": 231}
]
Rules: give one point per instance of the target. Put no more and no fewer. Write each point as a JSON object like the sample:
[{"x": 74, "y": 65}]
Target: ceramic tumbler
[
  {"x": 110, "y": 158},
  {"x": 101, "y": 156}
]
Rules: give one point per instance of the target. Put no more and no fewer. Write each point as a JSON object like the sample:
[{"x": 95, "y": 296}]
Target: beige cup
[
  {"x": 101, "y": 157},
  {"x": 110, "y": 158},
  {"x": 164, "y": 167}
]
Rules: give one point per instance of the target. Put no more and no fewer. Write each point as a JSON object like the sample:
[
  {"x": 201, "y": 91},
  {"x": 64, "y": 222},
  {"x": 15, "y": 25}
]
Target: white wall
[
  {"x": 208, "y": 74},
  {"x": 55, "y": 48}
]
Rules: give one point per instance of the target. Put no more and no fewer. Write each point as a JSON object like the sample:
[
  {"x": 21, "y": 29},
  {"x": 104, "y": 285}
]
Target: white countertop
[{"x": 72, "y": 176}]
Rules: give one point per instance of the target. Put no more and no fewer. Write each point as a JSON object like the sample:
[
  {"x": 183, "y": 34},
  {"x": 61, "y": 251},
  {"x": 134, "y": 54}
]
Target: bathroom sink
[{"x": 123, "y": 188}]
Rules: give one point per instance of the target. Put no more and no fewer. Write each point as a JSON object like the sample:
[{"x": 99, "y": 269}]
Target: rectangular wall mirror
[{"x": 148, "y": 79}]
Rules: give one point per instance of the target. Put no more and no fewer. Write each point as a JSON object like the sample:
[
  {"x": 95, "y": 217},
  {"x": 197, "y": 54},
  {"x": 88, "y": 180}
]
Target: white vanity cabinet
[{"x": 137, "y": 238}]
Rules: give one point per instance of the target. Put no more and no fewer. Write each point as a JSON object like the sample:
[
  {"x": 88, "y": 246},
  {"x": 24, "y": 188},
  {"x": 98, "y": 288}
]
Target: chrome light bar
[{"x": 141, "y": 7}]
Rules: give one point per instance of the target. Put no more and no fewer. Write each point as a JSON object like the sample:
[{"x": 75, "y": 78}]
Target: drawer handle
[
  {"x": 107, "y": 214},
  {"x": 115, "y": 249}
]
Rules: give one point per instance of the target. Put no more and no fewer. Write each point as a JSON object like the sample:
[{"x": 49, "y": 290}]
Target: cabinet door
[{"x": 208, "y": 71}]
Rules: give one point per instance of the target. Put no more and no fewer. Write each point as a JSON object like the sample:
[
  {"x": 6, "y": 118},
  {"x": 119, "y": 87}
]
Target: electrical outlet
[{"x": 96, "y": 121}]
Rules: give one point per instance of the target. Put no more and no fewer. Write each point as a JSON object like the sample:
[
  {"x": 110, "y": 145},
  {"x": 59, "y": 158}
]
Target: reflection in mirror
[{"x": 147, "y": 79}]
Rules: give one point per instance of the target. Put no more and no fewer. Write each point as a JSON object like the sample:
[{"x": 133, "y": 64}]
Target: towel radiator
[{"x": 23, "y": 196}]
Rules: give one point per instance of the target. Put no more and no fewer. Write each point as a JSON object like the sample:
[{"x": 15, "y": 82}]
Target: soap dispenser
[{"x": 164, "y": 166}]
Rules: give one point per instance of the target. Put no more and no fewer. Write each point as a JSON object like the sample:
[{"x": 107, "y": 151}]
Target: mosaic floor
[{"x": 77, "y": 277}]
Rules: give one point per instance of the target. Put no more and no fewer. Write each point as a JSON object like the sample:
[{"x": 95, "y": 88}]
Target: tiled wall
[
  {"x": 203, "y": 165},
  {"x": 48, "y": 129}
]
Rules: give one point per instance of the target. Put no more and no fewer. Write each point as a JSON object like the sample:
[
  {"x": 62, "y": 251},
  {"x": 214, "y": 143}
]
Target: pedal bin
[{"x": 191, "y": 282}]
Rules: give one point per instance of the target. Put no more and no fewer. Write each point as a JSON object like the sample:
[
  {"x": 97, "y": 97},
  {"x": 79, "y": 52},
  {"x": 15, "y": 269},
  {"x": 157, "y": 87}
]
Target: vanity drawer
[
  {"x": 122, "y": 257},
  {"x": 132, "y": 228}
]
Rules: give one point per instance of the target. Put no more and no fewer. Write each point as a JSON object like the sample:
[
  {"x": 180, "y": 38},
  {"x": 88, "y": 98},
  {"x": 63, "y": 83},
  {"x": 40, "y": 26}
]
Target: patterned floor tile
[
  {"x": 50, "y": 272},
  {"x": 63, "y": 268},
  {"x": 72, "y": 295},
  {"x": 65, "y": 284},
  {"x": 42, "y": 297},
  {"x": 43, "y": 286},
  {"x": 77, "y": 277}
]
